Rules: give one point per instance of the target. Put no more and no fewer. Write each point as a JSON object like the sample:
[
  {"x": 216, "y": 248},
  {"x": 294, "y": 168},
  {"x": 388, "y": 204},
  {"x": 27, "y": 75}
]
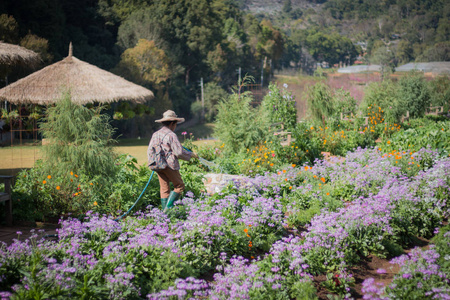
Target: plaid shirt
[{"x": 171, "y": 145}]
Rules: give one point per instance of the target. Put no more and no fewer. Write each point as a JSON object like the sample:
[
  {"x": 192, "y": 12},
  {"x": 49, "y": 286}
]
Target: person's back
[{"x": 173, "y": 150}]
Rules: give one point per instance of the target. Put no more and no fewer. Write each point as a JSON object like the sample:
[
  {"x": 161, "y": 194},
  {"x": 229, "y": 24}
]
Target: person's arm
[{"x": 179, "y": 151}]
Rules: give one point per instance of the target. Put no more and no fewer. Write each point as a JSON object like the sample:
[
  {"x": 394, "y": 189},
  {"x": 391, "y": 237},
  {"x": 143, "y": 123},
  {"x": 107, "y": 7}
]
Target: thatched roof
[
  {"x": 15, "y": 55},
  {"x": 85, "y": 82}
]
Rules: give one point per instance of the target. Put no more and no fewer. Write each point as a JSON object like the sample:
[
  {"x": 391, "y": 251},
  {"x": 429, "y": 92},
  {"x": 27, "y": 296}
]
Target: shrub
[
  {"x": 239, "y": 125},
  {"x": 413, "y": 94},
  {"x": 320, "y": 101},
  {"x": 79, "y": 139},
  {"x": 440, "y": 92},
  {"x": 343, "y": 102},
  {"x": 279, "y": 106},
  {"x": 383, "y": 95}
]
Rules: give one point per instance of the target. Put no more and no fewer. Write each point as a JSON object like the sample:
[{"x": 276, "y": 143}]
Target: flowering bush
[
  {"x": 40, "y": 195},
  {"x": 242, "y": 233},
  {"x": 423, "y": 274}
]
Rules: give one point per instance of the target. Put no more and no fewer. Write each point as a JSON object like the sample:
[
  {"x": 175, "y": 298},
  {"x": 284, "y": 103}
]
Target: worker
[{"x": 172, "y": 150}]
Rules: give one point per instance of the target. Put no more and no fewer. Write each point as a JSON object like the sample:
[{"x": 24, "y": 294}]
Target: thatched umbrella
[
  {"x": 85, "y": 82},
  {"x": 15, "y": 55}
]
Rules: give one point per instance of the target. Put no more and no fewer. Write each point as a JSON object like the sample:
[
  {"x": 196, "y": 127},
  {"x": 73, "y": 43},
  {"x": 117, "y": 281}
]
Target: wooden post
[{"x": 6, "y": 197}]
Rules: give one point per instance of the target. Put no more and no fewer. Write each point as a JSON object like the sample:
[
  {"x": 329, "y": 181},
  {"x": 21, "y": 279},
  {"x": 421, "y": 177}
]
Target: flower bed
[{"x": 265, "y": 238}]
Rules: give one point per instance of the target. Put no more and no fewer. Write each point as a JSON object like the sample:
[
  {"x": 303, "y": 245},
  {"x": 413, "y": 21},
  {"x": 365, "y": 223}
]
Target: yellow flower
[{"x": 58, "y": 187}]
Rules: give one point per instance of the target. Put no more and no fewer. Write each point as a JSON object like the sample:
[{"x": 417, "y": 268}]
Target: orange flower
[
  {"x": 71, "y": 180},
  {"x": 71, "y": 173},
  {"x": 249, "y": 225},
  {"x": 58, "y": 187},
  {"x": 95, "y": 203},
  {"x": 323, "y": 179},
  {"x": 290, "y": 187},
  {"x": 44, "y": 182},
  {"x": 245, "y": 230},
  {"x": 284, "y": 171},
  {"x": 49, "y": 176},
  {"x": 271, "y": 165},
  {"x": 293, "y": 165},
  {"x": 315, "y": 176},
  {"x": 248, "y": 235},
  {"x": 252, "y": 257},
  {"x": 76, "y": 175},
  {"x": 91, "y": 183},
  {"x": 328, "y": 194},
  {"x": 285, "y": 179}
]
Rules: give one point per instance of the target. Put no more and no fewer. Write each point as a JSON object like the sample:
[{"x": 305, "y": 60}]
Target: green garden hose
[
  {"x": 139, "y": 198},
  {"x": 117, "y": 219}
]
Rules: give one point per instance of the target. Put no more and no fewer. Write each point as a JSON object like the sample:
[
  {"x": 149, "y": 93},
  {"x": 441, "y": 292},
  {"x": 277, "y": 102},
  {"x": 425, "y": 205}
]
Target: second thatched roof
[
  {"x": 16, "y": 55},
  {"x": 85, "y": 82}
]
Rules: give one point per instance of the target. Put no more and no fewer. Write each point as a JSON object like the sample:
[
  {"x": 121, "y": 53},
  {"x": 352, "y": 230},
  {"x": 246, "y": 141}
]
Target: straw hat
[{"x": 170, "y": 115}]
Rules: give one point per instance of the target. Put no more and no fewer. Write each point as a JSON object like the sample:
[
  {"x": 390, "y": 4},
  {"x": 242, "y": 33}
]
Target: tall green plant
[
  {"x": 413, "y": 94},
  {"x": 238, "y": 125},
  {"x": 279, "y": 106},
  {"x": 78, "y": 139},
  {"x": 383, "y": 95},
  {"x": 440, "y": 92},
  {"x": 343, "y": 102},
  {"x": 320, "y": 101}
]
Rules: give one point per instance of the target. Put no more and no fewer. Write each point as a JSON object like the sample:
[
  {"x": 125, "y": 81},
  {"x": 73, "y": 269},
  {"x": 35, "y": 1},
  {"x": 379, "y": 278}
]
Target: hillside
[{"x": 412, "y": 30}]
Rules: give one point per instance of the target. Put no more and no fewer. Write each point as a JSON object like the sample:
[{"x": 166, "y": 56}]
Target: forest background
[{"x": 168, "y": 46}]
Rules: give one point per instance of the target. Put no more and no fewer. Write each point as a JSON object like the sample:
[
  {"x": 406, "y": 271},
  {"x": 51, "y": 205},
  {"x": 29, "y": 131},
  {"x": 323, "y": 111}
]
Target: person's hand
[{"x": 195, "y": 155}]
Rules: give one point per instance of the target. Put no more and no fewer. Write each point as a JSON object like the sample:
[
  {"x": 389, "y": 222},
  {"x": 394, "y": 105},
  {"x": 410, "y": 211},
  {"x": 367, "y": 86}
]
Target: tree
[
  {"x": 404, "y": 52},
  {"x": 9, "y": 29},
  {"x": 145, "y": 64},
  {"x": 384, "y": 57},
  {"x": 437, "y": 52},
  {"x": 38, "y": 45},
  {"x": 287, "y": 6}
]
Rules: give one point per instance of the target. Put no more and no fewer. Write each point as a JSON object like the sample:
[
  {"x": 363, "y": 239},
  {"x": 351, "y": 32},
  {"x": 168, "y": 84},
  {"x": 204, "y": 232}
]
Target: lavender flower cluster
[{"x": 241, "y": 233}]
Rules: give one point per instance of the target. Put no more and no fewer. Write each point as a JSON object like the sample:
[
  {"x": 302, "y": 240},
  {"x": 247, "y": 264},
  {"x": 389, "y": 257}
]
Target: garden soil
[{"x": 9, "y": 234}]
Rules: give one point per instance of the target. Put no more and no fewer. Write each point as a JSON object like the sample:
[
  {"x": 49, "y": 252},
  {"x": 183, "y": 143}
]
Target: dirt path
[{"x": 9, "y": 234}]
